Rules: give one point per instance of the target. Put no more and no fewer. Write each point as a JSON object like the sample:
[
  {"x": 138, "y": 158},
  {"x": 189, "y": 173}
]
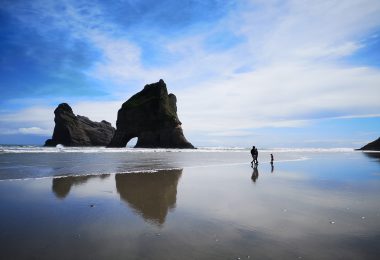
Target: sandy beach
[{"x": 322, "y": 206}]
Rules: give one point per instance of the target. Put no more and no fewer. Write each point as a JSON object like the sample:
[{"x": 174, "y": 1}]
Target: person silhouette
[
  {"x": 253, "y": 155},
  {"x": 256, "y": 154}
]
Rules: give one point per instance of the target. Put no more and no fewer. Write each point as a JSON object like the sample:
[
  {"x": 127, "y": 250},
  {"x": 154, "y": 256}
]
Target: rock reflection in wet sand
[
  {"x": 151, "y": 195},
  {"x": 61, "y": 186}
]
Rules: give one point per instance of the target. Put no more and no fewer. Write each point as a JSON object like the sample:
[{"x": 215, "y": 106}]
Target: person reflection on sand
[
  {"x": 271, "y": 162},
  {"x": 255, "y": 173},
  {"x": 61, "y": 186},
  {"x": 151, "y": 195}
]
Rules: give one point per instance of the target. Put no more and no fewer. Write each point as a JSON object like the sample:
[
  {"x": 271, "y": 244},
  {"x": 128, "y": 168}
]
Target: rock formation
[
  {"x": 372, "y": 146},
  {"x": 71, "y": 130},
  {"x": 151, "y": 116}
]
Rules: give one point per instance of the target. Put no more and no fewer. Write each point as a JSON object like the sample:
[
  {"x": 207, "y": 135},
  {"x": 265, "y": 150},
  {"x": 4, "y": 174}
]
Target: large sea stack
[
  {"x": 372, "y": 146},
  {"x": 72, "y": 130},
  {"x": 151, "y": 116}
]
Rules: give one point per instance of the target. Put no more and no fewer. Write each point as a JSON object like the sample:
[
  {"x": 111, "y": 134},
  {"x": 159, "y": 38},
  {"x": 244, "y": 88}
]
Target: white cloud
[
  {"x": 296, "y": 73},
  {"x": 325, "y": 51},
  {"x": 285, "y": 95},
  {"x": 121, "y": 61},
  {"x": 280, "y": 31},
  {"x": 99, "y": 110},
  {"x": 34, "y": 131},
  {"x": 38, "y": 115},
  {"x": 231, "y": 133}
]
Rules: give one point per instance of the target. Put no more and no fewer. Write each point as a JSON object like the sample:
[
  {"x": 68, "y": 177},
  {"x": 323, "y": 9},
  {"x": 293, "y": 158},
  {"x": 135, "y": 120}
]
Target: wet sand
[{"x": 326, "y": 207}]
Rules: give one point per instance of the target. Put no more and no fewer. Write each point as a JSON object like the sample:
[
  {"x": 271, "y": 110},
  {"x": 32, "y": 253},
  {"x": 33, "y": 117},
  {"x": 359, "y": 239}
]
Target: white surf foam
[{"x": 62, "y": 149}]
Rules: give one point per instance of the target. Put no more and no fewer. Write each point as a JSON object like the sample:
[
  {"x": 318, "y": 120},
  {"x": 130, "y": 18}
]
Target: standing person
[
  {"x": 253, "y": 155},
  {"x": 256, "y": 156}
]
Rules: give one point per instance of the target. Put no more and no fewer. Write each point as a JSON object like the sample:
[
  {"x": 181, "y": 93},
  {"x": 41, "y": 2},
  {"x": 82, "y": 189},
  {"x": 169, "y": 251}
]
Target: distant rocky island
[
  {"x": 372, "y": 146},
  {"x": 150, "y": 115},
  {"x": 72, "y": 130}
]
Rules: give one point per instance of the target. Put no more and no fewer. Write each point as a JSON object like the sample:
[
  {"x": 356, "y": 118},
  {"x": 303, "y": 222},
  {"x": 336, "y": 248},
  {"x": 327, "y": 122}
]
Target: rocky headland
[
  {"x": 151, "y": 116},
  {"x": 372, "y": 146},
  {"x": 72, "y": 130}
]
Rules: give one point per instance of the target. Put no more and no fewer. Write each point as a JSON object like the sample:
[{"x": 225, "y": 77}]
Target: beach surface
[{"x": 87, "y": 203}]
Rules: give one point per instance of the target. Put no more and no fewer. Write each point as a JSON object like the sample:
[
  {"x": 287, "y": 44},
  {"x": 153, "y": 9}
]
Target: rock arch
[{"x": 151, "y": 116}]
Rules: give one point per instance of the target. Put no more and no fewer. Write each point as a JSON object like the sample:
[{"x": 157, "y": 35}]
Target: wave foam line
[
  {"x": 145, "y": 150},
  {"x": 110, "y": 150}
]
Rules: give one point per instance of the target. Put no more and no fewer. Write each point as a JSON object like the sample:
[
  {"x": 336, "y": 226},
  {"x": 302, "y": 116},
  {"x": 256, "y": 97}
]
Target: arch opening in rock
[{"x": 132, "y": 142}]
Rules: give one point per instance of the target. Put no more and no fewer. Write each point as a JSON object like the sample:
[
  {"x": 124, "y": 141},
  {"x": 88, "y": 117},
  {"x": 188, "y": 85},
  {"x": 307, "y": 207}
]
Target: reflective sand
[{"x": 326, "y": 207}]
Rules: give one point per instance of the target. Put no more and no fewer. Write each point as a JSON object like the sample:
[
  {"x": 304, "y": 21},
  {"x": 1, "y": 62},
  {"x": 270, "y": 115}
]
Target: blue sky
[{"x": 272, "y": 73}]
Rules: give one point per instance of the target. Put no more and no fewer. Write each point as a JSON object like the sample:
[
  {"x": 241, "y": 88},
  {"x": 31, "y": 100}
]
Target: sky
[{"x": 263, "y": 72}]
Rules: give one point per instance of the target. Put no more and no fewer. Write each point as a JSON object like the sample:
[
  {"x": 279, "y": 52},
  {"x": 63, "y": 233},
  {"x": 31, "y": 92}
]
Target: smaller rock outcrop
[
  {"x": 72, "y": 130},
  {"x": 372, "y": 146}
]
